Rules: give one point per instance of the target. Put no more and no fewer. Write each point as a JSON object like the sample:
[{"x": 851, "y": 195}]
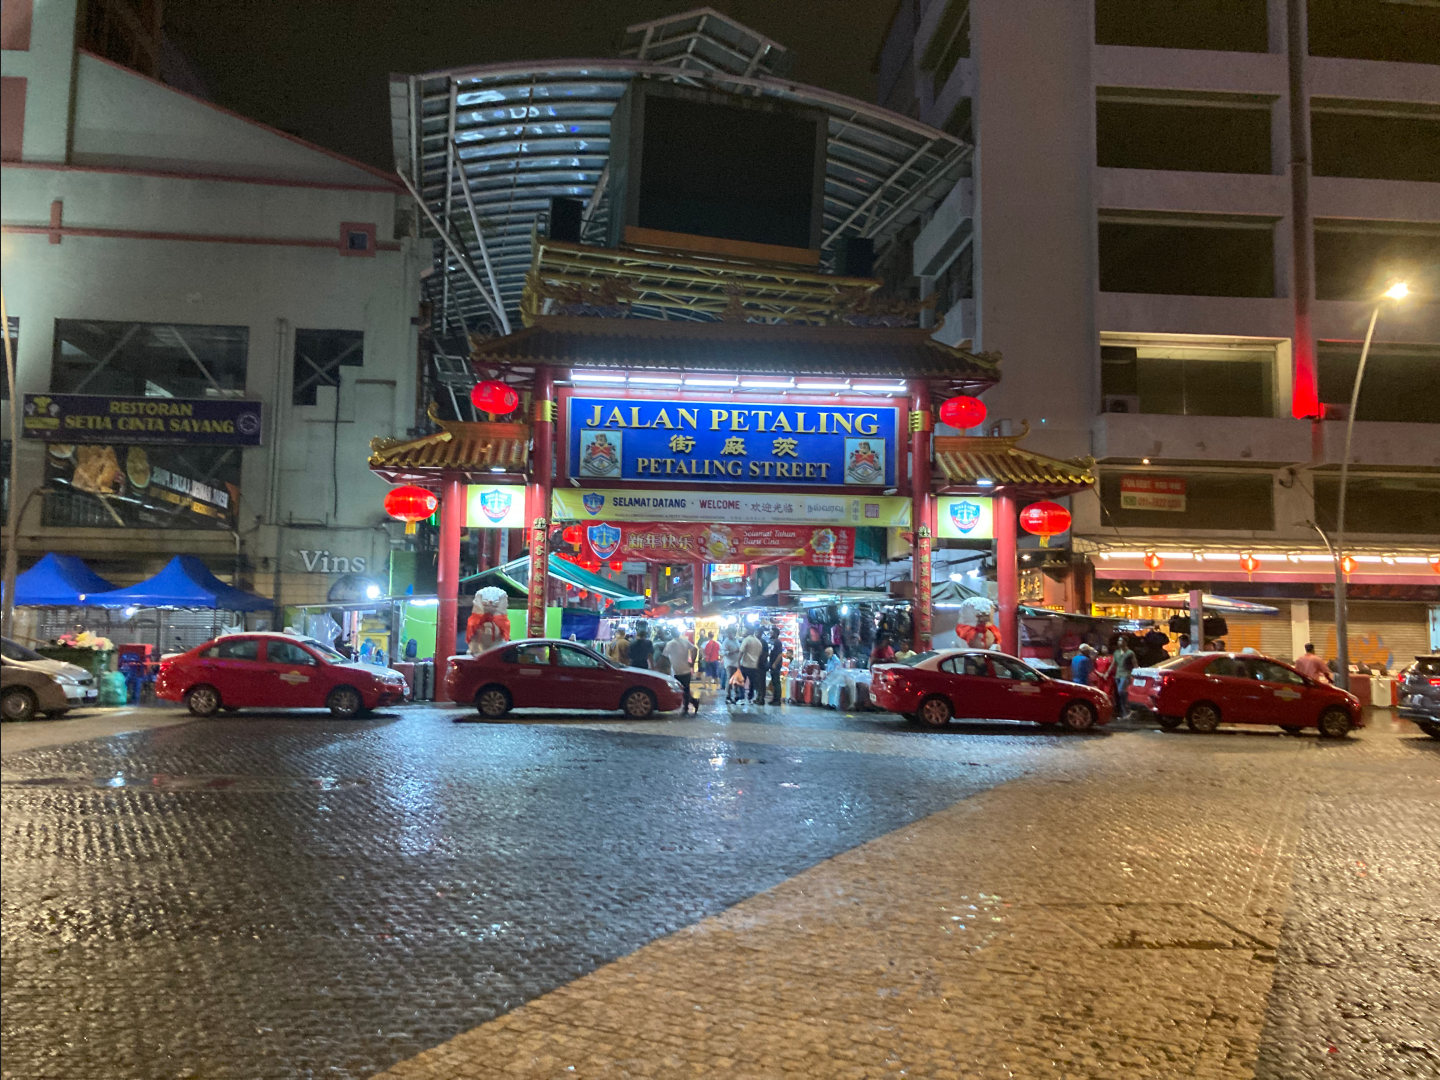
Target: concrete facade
[
  {"x": 1030, "y": 77},
  {"x": 151, "y": 206}
]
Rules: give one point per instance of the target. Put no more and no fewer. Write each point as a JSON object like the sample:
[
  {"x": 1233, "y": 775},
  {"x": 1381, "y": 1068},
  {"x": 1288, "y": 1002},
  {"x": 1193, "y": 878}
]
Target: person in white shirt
[
  {"x": 681, "y": 655},
  {"x": 730, "y": 657},
  {"x": 751, "y": 649}
]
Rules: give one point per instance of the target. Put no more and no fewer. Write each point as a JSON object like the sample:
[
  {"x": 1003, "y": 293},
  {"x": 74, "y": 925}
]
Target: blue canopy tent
[
  {"x": 59, "y": 581},
  {"x": 184, "y": 583}
]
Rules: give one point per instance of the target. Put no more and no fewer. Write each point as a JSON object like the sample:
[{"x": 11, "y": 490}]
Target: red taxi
[
  {"x": 1207, "y": 689},
  {"x": 542, "y": 674},
  {"x": 936, "y": 687},
  {"x": 276, "y": 671}
]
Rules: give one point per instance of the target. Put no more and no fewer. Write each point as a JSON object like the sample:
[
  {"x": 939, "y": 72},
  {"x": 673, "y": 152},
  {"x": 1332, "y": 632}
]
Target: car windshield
[
  {"x": 1178, "y": 661},
  {"x": 15, "y": 651},
  {"x": 330, "y": 655},
  {"x": 918, "y": 658}
]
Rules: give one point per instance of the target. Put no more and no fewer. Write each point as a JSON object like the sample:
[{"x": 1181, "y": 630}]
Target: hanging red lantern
[
  {"x": 493, "y": 396},
  {"x": 617, "y": 565},
  {"x": 1347, "y": 564},
  {"x": 962, "y": 412},
  {"x": 1044, "y": 519},
  {"x": 1249, "y": 563},
  {"x": 584, "y": 593},
  {"x": 410, "y": 504},
  {"x": 571, "y": 535},
  {"x": 1153, "y": 561}
]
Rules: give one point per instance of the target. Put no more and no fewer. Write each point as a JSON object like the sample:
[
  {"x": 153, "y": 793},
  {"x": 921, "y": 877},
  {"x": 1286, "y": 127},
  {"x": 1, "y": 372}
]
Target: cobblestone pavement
[{"x": 748, "y": 894}]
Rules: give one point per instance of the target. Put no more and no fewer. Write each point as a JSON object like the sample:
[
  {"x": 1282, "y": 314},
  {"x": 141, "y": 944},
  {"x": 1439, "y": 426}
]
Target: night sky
[{"x": 319, "y": 69}]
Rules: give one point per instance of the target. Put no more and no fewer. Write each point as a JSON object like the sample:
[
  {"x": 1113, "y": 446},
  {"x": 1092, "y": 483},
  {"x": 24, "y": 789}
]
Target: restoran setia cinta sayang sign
[{"x": 730, "y": 442}]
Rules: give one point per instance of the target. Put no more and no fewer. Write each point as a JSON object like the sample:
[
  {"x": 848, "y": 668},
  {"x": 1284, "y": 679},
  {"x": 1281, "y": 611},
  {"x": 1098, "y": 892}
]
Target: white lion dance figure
[
  {"x": 975, "y": 627},
  {"x": 488, "y": 624}
]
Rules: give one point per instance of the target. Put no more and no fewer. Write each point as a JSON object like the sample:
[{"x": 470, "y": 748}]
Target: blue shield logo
[
  {"x": 495, "y": 505},
  {"x": 593, "y": 501},
  {"x": 965, "y": 515},
  {"x": 604, "y": 540}
]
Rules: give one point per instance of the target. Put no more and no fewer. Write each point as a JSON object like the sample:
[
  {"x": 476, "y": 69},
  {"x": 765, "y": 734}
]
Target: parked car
[
  {"x": 1418, "y": 694},
  {"x": 33, "y": 684},
  {"x": 1208, "y": 689},
  {"x": 278, "y": 671},
  {"x": 538, "y": 673},
  {"x": 936, "y": 687}
]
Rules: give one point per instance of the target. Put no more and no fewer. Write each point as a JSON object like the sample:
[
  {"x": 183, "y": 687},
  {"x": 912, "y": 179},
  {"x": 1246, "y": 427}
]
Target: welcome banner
[{"x": 667, "y": 542}]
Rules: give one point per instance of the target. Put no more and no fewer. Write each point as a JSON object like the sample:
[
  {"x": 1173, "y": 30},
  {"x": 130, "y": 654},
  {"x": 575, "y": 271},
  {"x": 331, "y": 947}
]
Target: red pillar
[
  {"x": 922, "y": 423},
  {"x": 447, "y": 581},
  {"x": 542, "y": 466},
  {"x": 697, "y": 595},
  {"x": 1007, "y": 573}
]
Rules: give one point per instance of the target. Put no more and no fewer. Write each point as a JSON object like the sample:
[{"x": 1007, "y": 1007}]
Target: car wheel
[
  {"x": 203, "y": 700},
  {"x": 638, "y": 704},
  {"x": 1334, "y": 724},
  {"x": 1169, "y": 723},
  {"x": 1203, "y": 718},
  {"x": 18, "y": 703},
  {"x": 1078, "y": 716},
  {"x": 935, "y": 712},
  {"x": 493, "y": 702},
  {"x": 344, "y": 702}
]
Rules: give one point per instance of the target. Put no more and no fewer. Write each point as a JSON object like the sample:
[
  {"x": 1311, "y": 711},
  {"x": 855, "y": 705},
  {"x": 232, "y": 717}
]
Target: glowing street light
[{"x": 1397, "y": 292}]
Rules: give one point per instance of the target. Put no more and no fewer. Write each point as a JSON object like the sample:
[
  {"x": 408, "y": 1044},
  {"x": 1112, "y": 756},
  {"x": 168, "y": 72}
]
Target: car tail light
[{"x": 1435, "y": 682}]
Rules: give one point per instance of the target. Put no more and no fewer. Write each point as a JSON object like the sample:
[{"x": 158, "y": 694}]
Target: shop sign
[
  {"x": 495, "y": 506},
  {"x": 1146, "y": 492},
  {"x": 760, "y": 507},
  {"x": 104, "y": 418},
  {"x": 150, "y": 487},
  {"x": 322, "y": 562},
  {"x": 665, "y": 542},
  {"x": 727, "y": 571},
  {"x": 731, "y": 442},
  {"x": 965, "y": 517}
]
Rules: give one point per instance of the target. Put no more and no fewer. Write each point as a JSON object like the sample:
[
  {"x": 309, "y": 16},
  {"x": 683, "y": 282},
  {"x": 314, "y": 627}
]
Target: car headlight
[
  {"x": 67, "y": 680},
  {"x": 673, "y": 684}
]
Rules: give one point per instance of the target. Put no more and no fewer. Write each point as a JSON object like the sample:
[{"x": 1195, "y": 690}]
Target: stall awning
[
  {"x": 995, "y": 461},
  {"x": 517, "y": 572},
  {"x": 59, "y": 581},
  {"x": 458, "y": 446},
  {"x": 1223, "y": 605},
  {"x": 185, "y": 582}
]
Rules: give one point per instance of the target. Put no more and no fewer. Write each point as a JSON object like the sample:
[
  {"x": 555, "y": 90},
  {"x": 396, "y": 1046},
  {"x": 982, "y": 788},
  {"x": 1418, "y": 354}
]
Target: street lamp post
[{"x": 1398, "y": 291}]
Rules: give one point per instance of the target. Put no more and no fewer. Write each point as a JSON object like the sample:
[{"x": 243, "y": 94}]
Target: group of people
[{"x": 674, "y": 655}]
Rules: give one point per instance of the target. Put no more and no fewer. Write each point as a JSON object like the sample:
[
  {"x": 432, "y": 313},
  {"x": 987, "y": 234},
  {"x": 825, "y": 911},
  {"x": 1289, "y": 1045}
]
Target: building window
[
  {"x": 1190, "y": 133},
  {"x": 1404, "y": 31},
  {"x": 1374, "y": 140},
  {"x": 105, "y": 486},
  {"x": 1402, "y": 382},
  {"x": 319, "y": 356},
  {"x": 1227, "y": 501},
  {"x": 1408, "y": 505},
  {"x": 948, "y": 45},
  {"x": 1358, "y": 260},
  {"x": 1222, "y": 25},
  {"x": 1190, "y": 255},
  {"x": 1188, "y": 381},
  {"x": 149, "y": 359}
]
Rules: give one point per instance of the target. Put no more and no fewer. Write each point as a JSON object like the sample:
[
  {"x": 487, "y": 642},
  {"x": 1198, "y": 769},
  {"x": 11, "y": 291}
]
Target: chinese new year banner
[{"x": 669, "y": 541}]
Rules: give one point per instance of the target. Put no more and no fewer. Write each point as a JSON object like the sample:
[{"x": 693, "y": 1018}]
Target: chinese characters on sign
[
  {"x": 761, "y": 507},
  {"x": 661, "y": 541},
  {"x": 731, "y": 442},
  {"x": 1146, "y": 492}
]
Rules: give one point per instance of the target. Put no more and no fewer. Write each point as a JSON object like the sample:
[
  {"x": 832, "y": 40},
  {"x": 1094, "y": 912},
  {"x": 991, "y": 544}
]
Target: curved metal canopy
[{"x": 488, "y": 147}]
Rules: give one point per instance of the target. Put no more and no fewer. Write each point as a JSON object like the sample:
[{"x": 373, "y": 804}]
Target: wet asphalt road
[{"x": 302, "y": 897}]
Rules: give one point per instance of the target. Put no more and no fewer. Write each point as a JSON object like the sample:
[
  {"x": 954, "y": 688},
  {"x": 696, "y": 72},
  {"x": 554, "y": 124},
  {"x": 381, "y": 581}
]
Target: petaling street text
[
  {"x": 762, "y": 470},
  {"x": 791, "y": 421}
]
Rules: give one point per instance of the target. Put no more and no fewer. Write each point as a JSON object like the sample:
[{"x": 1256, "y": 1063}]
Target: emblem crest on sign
[
  {"x": 604, "y": 540},
  {"x": 965, "y": 515},
  {"x": 496, "y": 504},
  {"x": 593, "y": 501}
]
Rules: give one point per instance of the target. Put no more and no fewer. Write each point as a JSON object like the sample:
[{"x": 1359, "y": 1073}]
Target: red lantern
[
  {"x": 1249, "y": 563},
  {"x": 584, "y": 593},
  {"x": 495, "y": 397},
  {"x": 617, "y": 565},
  {"x": 571, "y": 535},
  {"x": 1153, "y": 561},
  {"x": 410, "y": 504},
  {"x": 1347, "y": 564},
  {"x": 1435, "y": 563},
  {"x": 1044, "y": 519},
  {"x": 963, "y": 412}
]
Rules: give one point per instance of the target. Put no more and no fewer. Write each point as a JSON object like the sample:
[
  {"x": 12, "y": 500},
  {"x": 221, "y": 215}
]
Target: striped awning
[
  {"x": 994, "y": 462},
  {"x": 457, "y": 447}
]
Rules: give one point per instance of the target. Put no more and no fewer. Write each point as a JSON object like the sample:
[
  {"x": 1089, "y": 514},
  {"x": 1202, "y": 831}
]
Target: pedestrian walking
[
  {"x": 1081, "y": 665},
  {"x": 681, "y": 655},
  {"x": 730, "y": 655},
  {"x": 1124, "y": 665},
  {"x": 711, "y": 653},
  {"x": 1312, "y": 667},
  {"x": 752, "y": 651},
  {"x": 641, "y": 649},
  {"x": 779, "y": 656}
]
